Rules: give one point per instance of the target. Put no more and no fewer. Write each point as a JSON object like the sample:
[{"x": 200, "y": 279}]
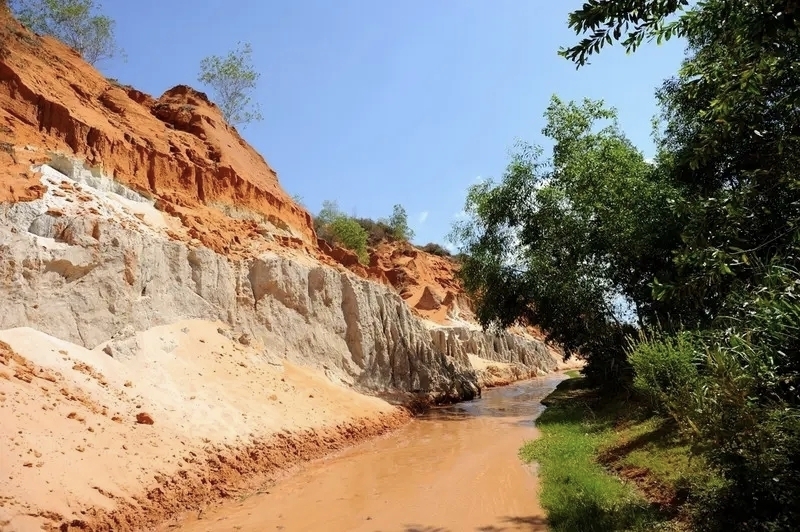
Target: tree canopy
[
  {"x": 233, "y": 78},
  {"x": 562, "y": 242},
  {"x": 74, "y": 22}
]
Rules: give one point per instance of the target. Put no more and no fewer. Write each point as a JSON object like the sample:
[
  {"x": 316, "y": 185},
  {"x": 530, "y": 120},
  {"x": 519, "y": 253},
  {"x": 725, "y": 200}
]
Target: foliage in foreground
[
  {"x": 733, "y": 392},
  {"x": 703, "y": 245},
  {"x": 73, "y": 22}
]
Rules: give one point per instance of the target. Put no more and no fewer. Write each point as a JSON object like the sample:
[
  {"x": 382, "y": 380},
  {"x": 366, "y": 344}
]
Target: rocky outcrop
[
  {"x": 494, "y": 346},
  {"x": 428, "y": 283},
  {"x": 78, "y": 265},
  {"x": 497, "y": 357}
]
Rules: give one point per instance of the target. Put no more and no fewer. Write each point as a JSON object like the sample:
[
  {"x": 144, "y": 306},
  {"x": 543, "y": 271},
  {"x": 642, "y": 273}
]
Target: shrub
[
  {"x": 435, "y": 249},
  {"x": 734, "y": 391},
  {"x": 392, "y": 229},
  {"x": 333, "y": 225},
  {"x": 348, "y": 233},
  {"x": 666, "y": 372},
  {"x": 377, "y": 231}
]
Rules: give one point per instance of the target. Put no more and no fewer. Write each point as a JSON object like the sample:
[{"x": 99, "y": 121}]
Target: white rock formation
[{"x": 91, "y": 263}]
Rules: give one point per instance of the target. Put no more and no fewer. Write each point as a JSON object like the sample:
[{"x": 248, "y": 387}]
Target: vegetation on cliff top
[
  {"x": 77, "y": 23},
  {"x": 358, "y": 234},
  {"x": 677, "y": 279},
  {"x": 232, "y": 78}
]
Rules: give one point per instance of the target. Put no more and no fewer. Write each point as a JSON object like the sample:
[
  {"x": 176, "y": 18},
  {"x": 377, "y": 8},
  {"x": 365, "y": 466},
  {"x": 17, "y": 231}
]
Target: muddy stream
[{"x": 454, "y": 469}]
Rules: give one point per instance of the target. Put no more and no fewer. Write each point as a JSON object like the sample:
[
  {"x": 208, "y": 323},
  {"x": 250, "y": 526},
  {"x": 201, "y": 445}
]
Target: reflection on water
[
  {"x": 453, "y": 469},
  {"x": 519, "y": 400}
]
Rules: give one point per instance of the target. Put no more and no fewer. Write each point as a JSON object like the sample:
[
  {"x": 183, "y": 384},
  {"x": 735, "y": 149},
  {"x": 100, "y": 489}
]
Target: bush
[
  {"x": 734, "y": 391},
  {"x": 332, "y": 225},
  {"x": 389, "y": 229},
  {"x": 666, "y": 372},
  {"x": 377, "y": 232},
  {"x": 435, "y": 249},
  {"x": 348, "y": 233}
]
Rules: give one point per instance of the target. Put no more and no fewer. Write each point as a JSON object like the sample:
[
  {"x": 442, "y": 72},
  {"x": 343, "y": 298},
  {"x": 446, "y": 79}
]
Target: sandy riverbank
[
  {"x": 189, "y": 416},
  {"x": 184, "y": 416}
]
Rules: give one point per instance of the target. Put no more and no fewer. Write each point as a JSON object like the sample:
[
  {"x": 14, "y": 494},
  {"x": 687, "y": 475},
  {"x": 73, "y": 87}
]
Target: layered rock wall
[{"x": 92, "y": 262}]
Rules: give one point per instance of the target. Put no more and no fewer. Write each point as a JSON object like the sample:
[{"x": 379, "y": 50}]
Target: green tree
[
  {"x": 731, "y": 145},
  {"x": 628, "y": 21},
  {"x": 557, "y": 241},
  {"x": 74, "y": 22},
  {"x": 232, "y": 79},
  {"x": 398, "y": 223}
]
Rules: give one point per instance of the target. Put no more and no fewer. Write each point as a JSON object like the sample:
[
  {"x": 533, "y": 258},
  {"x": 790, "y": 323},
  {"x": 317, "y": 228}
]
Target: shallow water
[{"x": 453, "y": 469}]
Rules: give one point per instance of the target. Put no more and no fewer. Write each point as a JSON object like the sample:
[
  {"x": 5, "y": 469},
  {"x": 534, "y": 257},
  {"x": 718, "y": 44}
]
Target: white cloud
[{"x": 423, "y": 216}]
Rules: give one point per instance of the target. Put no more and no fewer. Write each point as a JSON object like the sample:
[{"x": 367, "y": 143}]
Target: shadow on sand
[{"x": 510, "y": 524}]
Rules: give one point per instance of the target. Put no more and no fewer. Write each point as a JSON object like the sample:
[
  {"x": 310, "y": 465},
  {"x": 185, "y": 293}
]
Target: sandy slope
[{"x": 104, "y": 448}]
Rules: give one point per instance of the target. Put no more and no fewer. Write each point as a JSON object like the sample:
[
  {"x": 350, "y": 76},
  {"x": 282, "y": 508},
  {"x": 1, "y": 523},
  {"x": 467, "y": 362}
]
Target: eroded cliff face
[
  {"x": 176, "y": 149},
  {"x": 83, "y": 265},
  {"x": 92, "y": 261},
  {"x": 121, "y": 212}
]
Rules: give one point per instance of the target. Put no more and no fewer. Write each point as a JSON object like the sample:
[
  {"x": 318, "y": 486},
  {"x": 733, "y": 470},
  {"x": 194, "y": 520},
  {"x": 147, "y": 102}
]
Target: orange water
[{"x": 454, "y": 469}]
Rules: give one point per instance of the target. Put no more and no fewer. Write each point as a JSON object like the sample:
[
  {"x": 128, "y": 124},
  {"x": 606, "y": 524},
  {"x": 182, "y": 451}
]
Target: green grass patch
[
  {"x": 606, "y": 465},
  {"x": 573, "y": 373}
]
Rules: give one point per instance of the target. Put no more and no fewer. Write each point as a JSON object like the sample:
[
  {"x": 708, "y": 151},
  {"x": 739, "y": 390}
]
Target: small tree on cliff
[
  {"x": 232, "y": 78},
  {"x": 398, "y": 222},
  {"x": 76, "y": 23}
]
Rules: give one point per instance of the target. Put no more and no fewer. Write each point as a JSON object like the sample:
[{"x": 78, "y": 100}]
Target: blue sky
[{"x": 377, "y": 102}]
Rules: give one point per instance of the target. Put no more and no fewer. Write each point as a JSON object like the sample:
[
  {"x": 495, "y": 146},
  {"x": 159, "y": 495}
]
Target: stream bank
[{"x": 455, "y": 468}]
